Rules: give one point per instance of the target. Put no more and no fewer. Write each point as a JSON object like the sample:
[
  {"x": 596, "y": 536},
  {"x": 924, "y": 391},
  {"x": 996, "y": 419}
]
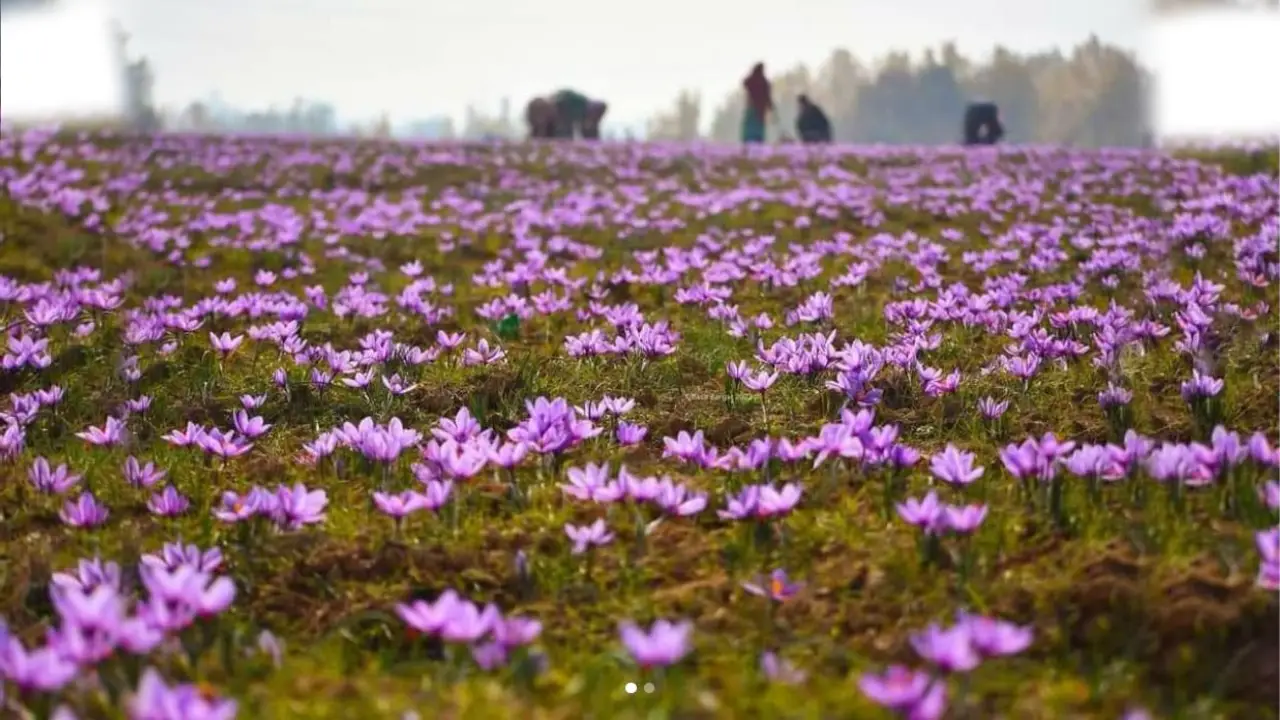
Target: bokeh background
[{"x": 1084, "y": 73}]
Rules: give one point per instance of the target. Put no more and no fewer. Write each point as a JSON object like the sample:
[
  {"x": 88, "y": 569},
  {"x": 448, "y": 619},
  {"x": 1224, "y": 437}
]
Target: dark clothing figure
[
  {"x": 564, "y": 115},
  {"x": 590, "y": 127},
  {"x": 982, "y": 124},
  {"x": 540, "y": 114},
  {"x": 812, "y": 126},
  {"x": 759, "y": 105},
  {"x": 571, "y": 111}
]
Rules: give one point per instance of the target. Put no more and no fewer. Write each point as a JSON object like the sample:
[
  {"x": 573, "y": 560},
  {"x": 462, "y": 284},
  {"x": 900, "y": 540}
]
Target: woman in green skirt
[{"x": 759, "y": 105}]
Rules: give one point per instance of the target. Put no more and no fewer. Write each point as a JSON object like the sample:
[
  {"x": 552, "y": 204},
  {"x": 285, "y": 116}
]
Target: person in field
[
  {"x": 982, "y": 124},
  {"x": 564, "y": 115},
  {"x": 759, "y": 105},
  {"x": 812, "y": 124},
  {"x": 590, "y": 127},
  {"x": 571, "y": 112},
  {"x": 540, "y": 116}
]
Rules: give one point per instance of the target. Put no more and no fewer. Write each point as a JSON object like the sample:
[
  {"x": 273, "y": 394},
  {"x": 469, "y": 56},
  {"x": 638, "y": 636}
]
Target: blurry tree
[
  {"x": 936, "y": 101},
  {"x": 1119, "y": 100},
  {"x": 885, "y": 104},
  {"x": 477, "y": 126},
  {"x": 836, "y": 88},
  {"x": 681, "y": 122},
  {"x": 197, "y": 116}
]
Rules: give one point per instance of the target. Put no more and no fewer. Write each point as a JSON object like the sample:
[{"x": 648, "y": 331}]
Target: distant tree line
[{"x": 1094, "y": 95}]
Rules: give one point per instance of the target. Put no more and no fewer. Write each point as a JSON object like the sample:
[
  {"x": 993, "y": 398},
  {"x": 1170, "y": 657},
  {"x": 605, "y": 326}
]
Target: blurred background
[{"x": 1080, "y": 73}]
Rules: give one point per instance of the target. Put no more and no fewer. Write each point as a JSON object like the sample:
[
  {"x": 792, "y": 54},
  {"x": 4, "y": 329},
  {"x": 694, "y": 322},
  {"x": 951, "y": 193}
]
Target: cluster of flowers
[
  {"x": 97, "y": 618},
  {"x": 954, "y": 650},
  {"x": 490, "y": 635}
]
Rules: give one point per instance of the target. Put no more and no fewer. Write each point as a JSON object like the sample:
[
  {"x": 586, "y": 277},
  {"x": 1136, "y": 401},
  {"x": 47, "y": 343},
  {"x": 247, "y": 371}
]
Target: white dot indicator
[
  {"x": 648, "y": 687},
  {"x": 630, "y": 688}
]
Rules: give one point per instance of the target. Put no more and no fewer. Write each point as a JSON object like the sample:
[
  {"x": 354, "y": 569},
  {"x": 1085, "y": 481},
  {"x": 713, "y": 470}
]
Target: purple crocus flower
[
  {"x": 235, "y": 508},
  {"x": 515, "y": 631},
  {"x": 1200, "y": 386},
  {"x": 630, "y": 434},
  {"x": 1114, "y": 396},
  {"x": 666, "y": 643},
  {"x": 184, "y": 437},
  {"x": 741, "y": 506},
  {"x": 141, "y": 476},
  {"x": 399, "y": 505},
  {"x": 991, "y": 408},
  {"x": 467, "y": 623},
  {"x": 507, "y": 455},
  {"x": 174, "y": 555},
  {"x": 89, "y": 574},
  {"x": 253, "y": 402},
  {"x": 297, "y": 506},
  {"x": 111, "y": 433},
  {"x": 584, "y": 482},
  {"x": 223, "y": 445},
  {"x": 154, "y": 700},
  {"x": 586, "y": 536},
  {"x": 760, "y": 382},
  {"x": 925, "y": 513},
  {"x": 250, "y": 427},
  {"x": 168, "y": 503},
  {"x": 56, "y": 480},
  {"x": 429, "y": 617},
  {"x": 951, "y": 649},
  {"x": 43, "y": 669},
  {"x": 955, "y": 467},
  {"x": 774, "y": 501},
  {"x": 676, "y": 499},
  {"x": 179, "y": 596},
  {"x": 898, "y": 688},
  {"x": 225, "y": 344},
  {"x": 962, "y": 519},
  {"x": 995, "y": 638},
  {"x": 85, "y": 511}
]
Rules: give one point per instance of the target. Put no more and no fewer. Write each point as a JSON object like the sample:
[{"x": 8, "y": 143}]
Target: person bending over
[{"x": 812, "y": 125}]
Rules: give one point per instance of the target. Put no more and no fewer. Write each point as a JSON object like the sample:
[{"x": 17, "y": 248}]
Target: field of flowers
[{"x": 356, "y": 430}]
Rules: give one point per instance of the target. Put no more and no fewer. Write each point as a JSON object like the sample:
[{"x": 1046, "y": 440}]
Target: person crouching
[{"x": 812, "y": 125}]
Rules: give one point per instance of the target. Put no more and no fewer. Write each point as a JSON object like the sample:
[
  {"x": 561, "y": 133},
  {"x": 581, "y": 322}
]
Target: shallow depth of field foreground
[{"x": 359, "y": 430}]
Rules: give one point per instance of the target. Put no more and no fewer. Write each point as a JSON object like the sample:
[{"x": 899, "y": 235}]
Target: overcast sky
[{"x": 415, "y": 58}]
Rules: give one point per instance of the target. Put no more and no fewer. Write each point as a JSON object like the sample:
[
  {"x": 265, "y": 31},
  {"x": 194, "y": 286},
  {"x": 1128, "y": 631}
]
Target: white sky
[
  {"x": 54, "y": 63},
  {"x": 412, "y": 58},
  {"x": 1227, "y": 85}
]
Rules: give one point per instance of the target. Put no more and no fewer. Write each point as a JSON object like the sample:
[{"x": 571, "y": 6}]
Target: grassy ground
[{"x": 1134, "y": 601}]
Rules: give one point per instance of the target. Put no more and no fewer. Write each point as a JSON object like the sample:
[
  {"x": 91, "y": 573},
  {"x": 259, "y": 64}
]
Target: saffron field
[{"x": 343, "y": 429}]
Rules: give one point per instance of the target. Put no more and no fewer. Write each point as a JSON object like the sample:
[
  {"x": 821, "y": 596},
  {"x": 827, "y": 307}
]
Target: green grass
[{"x": 1133, "y": 605}]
